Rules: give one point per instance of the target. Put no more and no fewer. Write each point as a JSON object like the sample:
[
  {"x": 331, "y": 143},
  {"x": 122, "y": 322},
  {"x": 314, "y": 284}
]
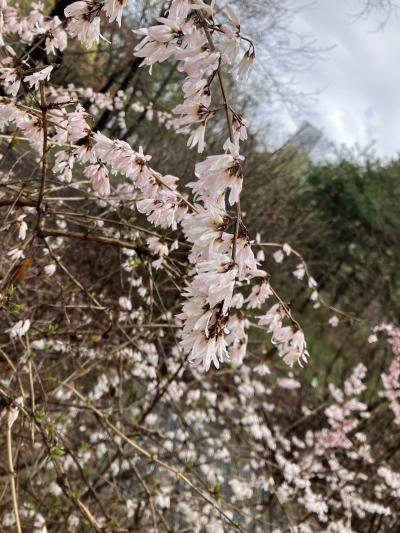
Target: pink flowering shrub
[{"x": 391, "y": 379}]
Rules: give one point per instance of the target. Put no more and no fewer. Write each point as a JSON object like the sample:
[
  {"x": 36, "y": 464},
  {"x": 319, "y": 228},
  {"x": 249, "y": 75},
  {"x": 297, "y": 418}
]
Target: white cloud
[{"x": 359, "y": 78}]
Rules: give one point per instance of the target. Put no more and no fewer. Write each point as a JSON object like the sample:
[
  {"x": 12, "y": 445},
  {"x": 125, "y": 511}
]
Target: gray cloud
[{"x": 360, "y": 77}]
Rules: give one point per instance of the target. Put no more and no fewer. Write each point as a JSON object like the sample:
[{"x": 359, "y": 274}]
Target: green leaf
[
  {"x": 135, "y": 263},
  {"x": 14, "y": 308},
  {"x": 53, "y": 328},
  {"x": 11, "y": 290},
  {"x": 217, "y": 492},
  {"x": 57, "y": 452}
]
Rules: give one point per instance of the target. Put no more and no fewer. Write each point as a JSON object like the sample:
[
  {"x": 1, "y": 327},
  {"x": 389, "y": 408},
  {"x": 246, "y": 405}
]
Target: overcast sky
[{"x": 359, "y": 78}]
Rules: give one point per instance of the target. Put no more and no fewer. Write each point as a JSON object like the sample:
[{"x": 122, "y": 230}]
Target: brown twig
[
  {"x": 12, "y": 473},
  {"x": 179, "y": 475},
  {"x": 225, "y": 98}
]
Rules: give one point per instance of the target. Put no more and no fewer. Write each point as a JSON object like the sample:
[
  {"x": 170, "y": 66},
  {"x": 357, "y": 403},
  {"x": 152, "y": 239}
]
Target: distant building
[
  {"x": 294, "y": 156},
  {"x": 305, "y": 139}
]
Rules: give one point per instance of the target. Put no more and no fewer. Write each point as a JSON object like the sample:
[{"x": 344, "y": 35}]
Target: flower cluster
[
  {"x": 84, "y": 18},
  {"x": 223, "y": 262},
  {"x": 391, "y": 379},
  {"x": 221, "y": 253}
]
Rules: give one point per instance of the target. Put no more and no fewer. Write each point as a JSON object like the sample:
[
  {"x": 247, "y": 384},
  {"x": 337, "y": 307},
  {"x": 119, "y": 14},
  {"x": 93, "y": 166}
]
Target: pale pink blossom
[
  {"x": 287, "y": 248},
  {"x": 15, "y": 254},
  {"x": 237, "y": 338},
  {"x": 20, "y": 329},
  {"x": 288, "y": 383},
  {"x": 232, "y": 15},
  {"x": 125, "y": 303},
  {"x": 218, "y": 173},
  {"x": 98, "y": 175},
  {"x": 13, "y": 411},
  {"x": 114, "y": 9},
  {"x": 245, "y": 259},
  {"x": 50, "y": 269},
  {"x": 158, "y": 249},
  {"x": 300, "y": 271},
  {"x": 84, "y": 21},
  {"x": 63, "y": 165},
  {"x": 245, "y": 65},
  {"x": 278, "y": 256},
  {"x": 56, "y": 37},
  {"x": 11, "y": 80},
  {"x": 207, "y": 351},
  {"x": 334, "y": 321},
  {"x": 42, "y": 75},
  {"x": 216, "y": 279},
  {"x": 197, "y": 138},
  {"x": 259, "y": 294},
  {"x": 77, "y": 126},
  {"x": 372, "y": 339},
  {"x": 22, "y": 227},
  {"x": 204, "y": 230},
  {"x": 272, "y": 318}
]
